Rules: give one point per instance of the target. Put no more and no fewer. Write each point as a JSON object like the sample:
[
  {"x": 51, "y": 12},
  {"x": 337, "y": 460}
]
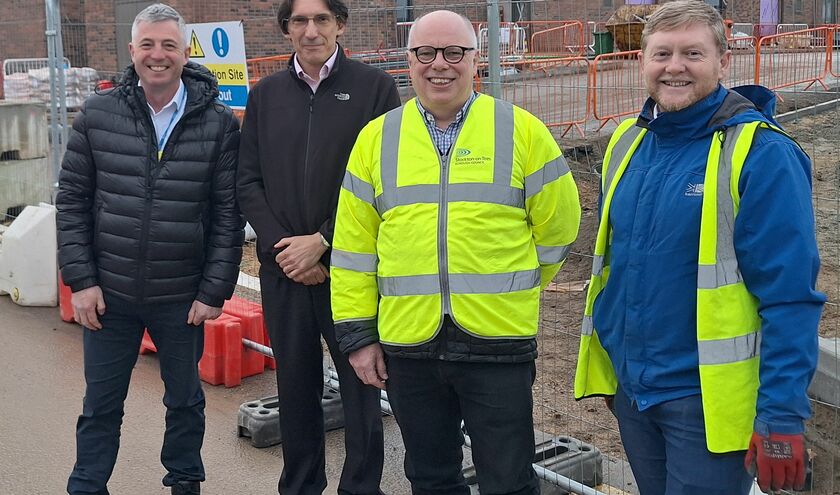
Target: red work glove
[{"x": 778, "y": 460}]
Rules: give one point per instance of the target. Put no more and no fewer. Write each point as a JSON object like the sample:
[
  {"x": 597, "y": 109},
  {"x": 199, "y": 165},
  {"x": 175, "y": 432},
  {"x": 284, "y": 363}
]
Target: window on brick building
[
  {"x": 797, "y": 6},
  {"x": 405, "y": 10},
  {"x": 607, "y": 3}
]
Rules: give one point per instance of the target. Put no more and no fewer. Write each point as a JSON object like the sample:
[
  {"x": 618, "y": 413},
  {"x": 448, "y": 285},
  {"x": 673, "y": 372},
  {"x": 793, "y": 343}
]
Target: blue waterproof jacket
[{"x": 646, "y": 314}]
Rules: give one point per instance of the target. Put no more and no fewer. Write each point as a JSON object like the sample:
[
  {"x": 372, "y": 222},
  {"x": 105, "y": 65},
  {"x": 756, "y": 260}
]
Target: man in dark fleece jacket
[
  {"x": 149, "y": 237},
  {"x": 300, "y": 126}
]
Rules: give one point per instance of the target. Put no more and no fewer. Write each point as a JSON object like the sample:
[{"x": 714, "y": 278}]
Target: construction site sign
[{"x": 220, "y": 46}]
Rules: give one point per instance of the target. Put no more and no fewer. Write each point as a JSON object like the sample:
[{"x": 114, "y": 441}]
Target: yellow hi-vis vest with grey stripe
[
  {"x": 728, "y": 323},
  {"x": 472, "y": 234}
]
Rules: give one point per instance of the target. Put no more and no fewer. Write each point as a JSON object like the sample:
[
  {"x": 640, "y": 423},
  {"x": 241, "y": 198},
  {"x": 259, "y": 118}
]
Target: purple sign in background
[{"x": 768, "y": 18}]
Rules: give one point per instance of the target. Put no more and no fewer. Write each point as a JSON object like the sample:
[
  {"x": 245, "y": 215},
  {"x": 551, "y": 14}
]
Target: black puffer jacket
[{"x": 149, "y": 230}]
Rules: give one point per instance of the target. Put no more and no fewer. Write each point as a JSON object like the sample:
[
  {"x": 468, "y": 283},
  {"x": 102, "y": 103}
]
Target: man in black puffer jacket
[{"x": 150, "y": 236}]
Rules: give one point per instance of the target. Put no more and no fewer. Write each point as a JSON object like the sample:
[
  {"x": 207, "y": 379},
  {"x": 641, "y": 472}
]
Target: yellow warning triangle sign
[{"x": 195, "y": 47}]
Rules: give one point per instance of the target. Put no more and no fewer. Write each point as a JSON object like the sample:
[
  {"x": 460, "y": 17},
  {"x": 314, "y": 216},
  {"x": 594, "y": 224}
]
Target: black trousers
[
  {"x": 297, "y": 316},
  {"x": 109, "y": 357},
  {"x": 430, "y": 398}
]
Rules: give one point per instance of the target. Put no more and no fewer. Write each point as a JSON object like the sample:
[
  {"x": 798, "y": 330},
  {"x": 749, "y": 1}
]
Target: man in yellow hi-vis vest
[
  {"x": 700, "y": 323},
  {"x": 456, "y": 209}
]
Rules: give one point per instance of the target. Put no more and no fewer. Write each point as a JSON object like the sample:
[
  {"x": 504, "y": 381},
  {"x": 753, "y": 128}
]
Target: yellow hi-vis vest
[
  {"x": 474, "y": 233},
  {"x": 728, "y": 323}
]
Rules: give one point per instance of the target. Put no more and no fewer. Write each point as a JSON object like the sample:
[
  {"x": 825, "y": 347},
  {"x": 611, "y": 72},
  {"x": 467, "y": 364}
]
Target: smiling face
[
  {"x": 159, "y": 54},
  {"x": 442, "y": 87},
  {"x": 682, "y": 66},
  {"x": 315, "y": 42}
]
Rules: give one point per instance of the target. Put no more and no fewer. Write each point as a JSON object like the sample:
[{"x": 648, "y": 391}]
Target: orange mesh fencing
[
  {"x": 617, "y": 86},
  {"x": 556, "y": 39},
  {"x": 555, "y": 90},
  {"x": 265, "y": 66},
  {"x": 791, "y": 59}
]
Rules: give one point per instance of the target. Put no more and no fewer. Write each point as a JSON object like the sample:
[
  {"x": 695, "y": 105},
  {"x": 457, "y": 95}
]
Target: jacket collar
[
  {"x": 200, "y": 83},
  {"x": 339, "y": 59},
  {"x": 721, "y": 109}
]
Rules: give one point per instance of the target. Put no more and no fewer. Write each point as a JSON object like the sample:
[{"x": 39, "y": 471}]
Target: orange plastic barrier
[
  {"x": 65, "y": 308},
  {"x": 253, "y": 329},
  {"x": 222, "y": 358},
  {"x": 797, "y": 57},
  {"x": 617, "y": 86}
]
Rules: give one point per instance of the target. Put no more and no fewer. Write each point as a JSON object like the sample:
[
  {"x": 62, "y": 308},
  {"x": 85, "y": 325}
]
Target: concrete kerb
[{"x": 826, "y": 384}]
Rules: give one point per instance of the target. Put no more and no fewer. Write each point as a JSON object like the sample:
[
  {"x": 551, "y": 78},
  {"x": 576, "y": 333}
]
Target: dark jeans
[
  {"x": 666, "y": 447},
  {"x": 297, "y": 316},
  {"x": 109, "y": 358},
  {"x": 431, "y": 397}
]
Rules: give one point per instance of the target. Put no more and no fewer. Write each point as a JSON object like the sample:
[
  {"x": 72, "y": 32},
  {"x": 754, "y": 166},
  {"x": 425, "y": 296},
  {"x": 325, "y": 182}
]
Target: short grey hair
[
  {"x": 159, "y": 12},
  {"x": 467, "y": 22},
  {"x": 681, "y": 13}
]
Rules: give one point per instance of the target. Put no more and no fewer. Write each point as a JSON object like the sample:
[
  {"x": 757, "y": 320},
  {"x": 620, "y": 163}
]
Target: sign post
[{"x": 220, "y": 46}]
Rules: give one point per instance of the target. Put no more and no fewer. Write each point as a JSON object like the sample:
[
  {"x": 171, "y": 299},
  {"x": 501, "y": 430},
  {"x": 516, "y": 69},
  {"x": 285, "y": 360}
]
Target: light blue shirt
[{"x": 169, "y": 115}]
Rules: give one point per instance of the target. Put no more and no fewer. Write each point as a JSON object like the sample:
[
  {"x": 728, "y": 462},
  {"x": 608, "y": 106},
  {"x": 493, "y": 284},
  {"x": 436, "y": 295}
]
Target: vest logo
[
  {"x": 462, "y": 152},
  {"x": 342, "y": 96},
  {"x": 694, "y": 190}
]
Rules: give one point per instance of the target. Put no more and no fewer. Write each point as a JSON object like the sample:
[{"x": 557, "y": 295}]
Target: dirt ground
[{"x": 557, "y": 412}]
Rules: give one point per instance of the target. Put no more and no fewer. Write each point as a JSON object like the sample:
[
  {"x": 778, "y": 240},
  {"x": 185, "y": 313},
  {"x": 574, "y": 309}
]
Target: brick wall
[{"x": 90, "y": 36}]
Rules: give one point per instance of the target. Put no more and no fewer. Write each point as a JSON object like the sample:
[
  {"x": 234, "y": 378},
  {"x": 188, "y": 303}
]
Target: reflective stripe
[
  {"x": 621, "y": 148},
  {"x": 358, "y": 187},
  {"x": 717, "y": 275},
  {"x": 500, "y": 192},
  {"x": 409, "y": 285},
  {"x": 487, "y": 193},
  {"x": 358, "y": 262},
  {"x": 460, "y": 283},
  {"x": 550, "y": 172},
  {"x": 726, "y": 262},
  {"x": 586, "y": 326},
  {"x": 552, "y": 254},
  {"x": 407, "y": 195},
  {"x": 725, "y": 351},
  {"x": 430, "y": 193},
  {"x": 503, "y": 152},
  {"x": 597, "y": 265},
  {"x": 493, "y": 283},
  {"x": 389, "y": 153}
]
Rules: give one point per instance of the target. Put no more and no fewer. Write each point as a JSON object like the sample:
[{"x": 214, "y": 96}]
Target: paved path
[{"x": 41, "y": 389}]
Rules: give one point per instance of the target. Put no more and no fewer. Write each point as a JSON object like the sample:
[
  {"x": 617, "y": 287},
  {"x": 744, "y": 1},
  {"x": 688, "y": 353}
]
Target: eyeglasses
[
  {"x": 452, "y": 53},
  {"x": 299, "y": 22}
]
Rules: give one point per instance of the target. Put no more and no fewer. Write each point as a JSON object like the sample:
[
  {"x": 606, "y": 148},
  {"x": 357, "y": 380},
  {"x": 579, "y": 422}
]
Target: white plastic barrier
[{"x": 28, "y": 265}]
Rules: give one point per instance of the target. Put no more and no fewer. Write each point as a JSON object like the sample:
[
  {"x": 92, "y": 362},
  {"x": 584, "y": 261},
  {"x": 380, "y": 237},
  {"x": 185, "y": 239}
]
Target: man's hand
[
  {"x": 299, "y": 253},
  {"x": 88, "y": 305},
  {"x": 314, "y": 276},
  {"x": 777, "y": 460},
  {"x": 199, "y": 312},
  {"x": 369, "y": 364}
]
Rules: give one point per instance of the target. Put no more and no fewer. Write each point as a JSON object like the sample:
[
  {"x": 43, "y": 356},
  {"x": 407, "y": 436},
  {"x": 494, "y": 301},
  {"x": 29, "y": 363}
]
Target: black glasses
[
  {"x": 299, "y": 22},
  {"x": 452, "y": 53}
]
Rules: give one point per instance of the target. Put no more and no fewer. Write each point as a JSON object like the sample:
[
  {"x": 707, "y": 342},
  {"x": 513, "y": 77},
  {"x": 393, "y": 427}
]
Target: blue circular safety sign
[{"x": 221, "y": 43}]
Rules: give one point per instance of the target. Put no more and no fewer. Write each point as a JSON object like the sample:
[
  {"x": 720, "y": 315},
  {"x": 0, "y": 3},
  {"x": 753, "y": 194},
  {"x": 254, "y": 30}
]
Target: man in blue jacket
[{"x": 701, "y": 319}]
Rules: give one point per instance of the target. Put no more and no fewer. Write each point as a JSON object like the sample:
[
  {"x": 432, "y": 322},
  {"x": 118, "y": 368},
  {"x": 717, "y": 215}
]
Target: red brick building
[{"x": 95, "y": 33}]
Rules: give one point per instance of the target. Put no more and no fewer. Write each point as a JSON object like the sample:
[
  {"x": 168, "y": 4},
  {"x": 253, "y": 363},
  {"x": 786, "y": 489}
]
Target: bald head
[
  {"x": 444, "y": 83},
  {"x": 441, "y": 18}
]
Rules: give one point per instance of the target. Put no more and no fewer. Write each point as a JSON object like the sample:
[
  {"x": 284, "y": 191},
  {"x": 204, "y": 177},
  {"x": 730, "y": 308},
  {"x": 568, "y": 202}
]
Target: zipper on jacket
[
  {"x": 306, "y": 156},
  {"x": 443, "y": 214},
  {"x": 152, "y": 159}
]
